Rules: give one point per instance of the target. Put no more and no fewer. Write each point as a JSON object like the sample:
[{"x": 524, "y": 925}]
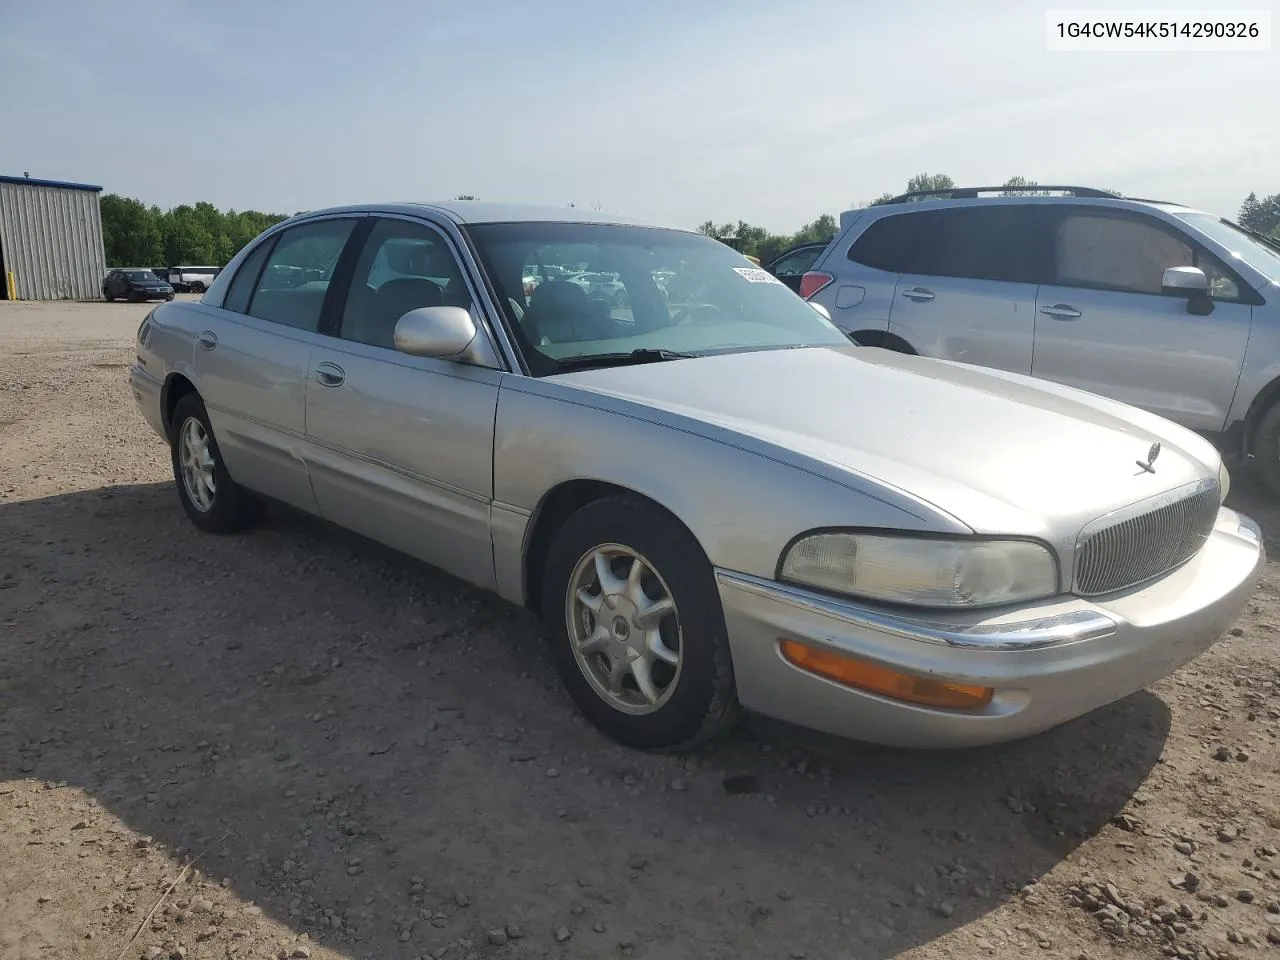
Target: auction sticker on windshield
[{"x": 756, "y": 275}]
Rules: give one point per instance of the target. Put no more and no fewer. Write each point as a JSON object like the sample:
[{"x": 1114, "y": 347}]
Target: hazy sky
[{"x": 672, "y": 111}]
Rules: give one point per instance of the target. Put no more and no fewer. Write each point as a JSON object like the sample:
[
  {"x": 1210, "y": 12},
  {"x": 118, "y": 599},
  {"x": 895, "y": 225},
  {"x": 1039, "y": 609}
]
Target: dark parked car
[
  {"x": 790, "y": 265},
  {"x": 135, "y": 285}
]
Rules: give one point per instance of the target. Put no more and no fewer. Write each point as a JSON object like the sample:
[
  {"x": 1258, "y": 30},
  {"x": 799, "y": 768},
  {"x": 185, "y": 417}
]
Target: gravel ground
[{"x": 371, "y": 759}]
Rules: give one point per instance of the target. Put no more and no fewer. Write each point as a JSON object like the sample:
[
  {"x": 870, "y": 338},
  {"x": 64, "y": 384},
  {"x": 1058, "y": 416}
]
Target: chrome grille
[{"x": 1128, "y": 548}]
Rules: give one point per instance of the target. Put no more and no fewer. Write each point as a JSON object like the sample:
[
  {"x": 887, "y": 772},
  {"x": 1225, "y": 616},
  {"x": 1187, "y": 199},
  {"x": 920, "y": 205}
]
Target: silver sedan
[{"x": 714, "y": 500}]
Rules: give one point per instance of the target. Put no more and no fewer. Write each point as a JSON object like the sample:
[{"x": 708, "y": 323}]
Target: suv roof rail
[
  {"x": 1168, "y": 203},
  {"x": 971, "y": 193}
]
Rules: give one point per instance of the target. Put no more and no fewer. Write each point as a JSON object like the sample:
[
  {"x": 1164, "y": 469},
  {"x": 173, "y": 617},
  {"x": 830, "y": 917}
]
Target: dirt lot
[{"x": 373, "y": 760}]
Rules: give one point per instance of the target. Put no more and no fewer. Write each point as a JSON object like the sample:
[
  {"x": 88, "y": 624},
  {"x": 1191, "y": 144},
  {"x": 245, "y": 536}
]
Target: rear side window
[
  {"x": 295, "y": 280},
  {"x": 884, "y": 244},
  {"x": 241, "y": 289},
  {"x": 975, "y": 243}
]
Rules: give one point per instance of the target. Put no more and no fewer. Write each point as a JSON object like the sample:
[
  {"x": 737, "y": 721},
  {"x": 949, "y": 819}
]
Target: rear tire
[
  {"x": 197, "y": 287},
  {"x": 108, "y": 297},
  {"x": 213, "y": 501},
  {"x": 1266, "y": 448},
  {"x": 598, "y": 634}
]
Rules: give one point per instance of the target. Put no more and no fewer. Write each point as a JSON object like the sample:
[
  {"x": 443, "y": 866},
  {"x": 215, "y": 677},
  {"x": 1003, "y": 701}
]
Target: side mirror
[
  {"x": 821, "y": 309},
  {"x": 1191, "y": 283},
  {"x": 445, "y": 332},
  {"x": 1184, "y": 281}
]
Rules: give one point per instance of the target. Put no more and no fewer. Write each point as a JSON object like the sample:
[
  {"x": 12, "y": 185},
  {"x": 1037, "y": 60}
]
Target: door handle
[
  {"x": 207, "y": 340},
  {"x": 918, "y": 294},
  {"x": 1061, "y": 311},
  {"x": 330, "y": 375}
]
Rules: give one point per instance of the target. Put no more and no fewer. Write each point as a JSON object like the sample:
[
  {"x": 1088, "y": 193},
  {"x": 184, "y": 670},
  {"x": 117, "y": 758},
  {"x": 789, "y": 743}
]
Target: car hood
[{"x": 999, "y": 452}]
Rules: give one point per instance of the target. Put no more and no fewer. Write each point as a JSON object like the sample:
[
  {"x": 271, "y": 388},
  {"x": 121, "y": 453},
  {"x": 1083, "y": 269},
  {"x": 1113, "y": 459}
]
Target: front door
[
  {"x": 252, "y": 356},
  {"x": 1103, "y": 324},
  {"x": 400, "y": 448},
  {"x": 968, "y": 287}
]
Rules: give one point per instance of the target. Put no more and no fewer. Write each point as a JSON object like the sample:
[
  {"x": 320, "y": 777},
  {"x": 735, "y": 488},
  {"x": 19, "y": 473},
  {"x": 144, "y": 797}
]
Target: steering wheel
[{"x": 708, "y": 312}]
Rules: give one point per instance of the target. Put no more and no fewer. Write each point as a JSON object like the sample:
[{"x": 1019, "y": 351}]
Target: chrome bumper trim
[{"x": 1037, "y": 634}]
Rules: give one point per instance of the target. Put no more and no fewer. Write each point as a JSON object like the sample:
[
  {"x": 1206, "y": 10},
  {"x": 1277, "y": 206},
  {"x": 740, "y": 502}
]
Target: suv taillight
[{"x": 813, "y": 281}]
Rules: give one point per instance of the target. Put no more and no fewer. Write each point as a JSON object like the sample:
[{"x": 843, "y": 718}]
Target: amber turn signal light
[{"x": 886, "y": 682}]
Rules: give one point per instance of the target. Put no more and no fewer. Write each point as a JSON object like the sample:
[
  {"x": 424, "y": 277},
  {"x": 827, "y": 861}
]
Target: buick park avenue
[{"x": 713, "y": 499}]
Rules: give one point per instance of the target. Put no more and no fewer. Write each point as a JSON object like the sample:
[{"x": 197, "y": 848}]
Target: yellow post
[{"x": 11, "y": 285}]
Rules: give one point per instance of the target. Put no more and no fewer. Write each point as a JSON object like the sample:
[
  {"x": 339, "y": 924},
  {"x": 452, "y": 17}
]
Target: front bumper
[
  {"x": 1048, "y": 663},
  {"x": 149, "y": 293}
]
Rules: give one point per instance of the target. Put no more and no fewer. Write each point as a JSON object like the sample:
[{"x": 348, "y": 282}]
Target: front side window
[
  {"x": 1116, "y": 253},
  {"x": 293, "y": 284},
  {"x": 975, "y": 243},
  {"x": 403, "y": 266},
  {"x": 578, "y": 294}
]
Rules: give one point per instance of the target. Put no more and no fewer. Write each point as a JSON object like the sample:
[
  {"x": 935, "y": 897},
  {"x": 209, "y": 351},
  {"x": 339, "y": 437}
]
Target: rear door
[
  {"x": 400, "y": 448},
  {"x": 1102, "y": 323},
  {"x": 967, "y": 291},
  {"x": 252, "y": 355}
]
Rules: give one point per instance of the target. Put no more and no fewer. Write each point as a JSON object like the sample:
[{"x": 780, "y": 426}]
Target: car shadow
[{"x": 382, "y": 758}]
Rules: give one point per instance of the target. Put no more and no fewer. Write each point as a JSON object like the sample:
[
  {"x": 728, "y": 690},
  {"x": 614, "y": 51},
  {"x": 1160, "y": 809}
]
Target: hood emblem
[{"x": 1148, "y": 465}]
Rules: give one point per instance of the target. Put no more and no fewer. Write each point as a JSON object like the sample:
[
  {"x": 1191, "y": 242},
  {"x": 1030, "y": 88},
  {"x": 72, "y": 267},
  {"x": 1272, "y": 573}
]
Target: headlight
[
  {"x": 1224, "y": 482},
  {"x": 921, "y": 572}
]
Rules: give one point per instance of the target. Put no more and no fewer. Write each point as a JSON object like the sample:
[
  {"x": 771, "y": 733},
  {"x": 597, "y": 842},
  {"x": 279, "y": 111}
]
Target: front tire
[
  {"x": 213, "y": 501},
  {"x": 1266, "y": 448},
  {"x": 637, "y": 629},
  {"x": 197, "y": 287}
]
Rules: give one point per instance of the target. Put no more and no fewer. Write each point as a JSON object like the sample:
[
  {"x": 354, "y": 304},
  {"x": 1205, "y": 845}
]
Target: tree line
[
  {"x": 1262, "y": 215},
  {"x": 137, "y": 235}
]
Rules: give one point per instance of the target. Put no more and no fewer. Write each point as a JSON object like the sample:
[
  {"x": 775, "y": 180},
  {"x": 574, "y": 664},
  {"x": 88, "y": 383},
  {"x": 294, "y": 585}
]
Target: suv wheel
[
  {"x": 197, "y": 287},
  {"x": 1266, "y": 448}
]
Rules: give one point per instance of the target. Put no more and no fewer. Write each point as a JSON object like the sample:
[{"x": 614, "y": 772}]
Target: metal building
[{"x": 50, "y": 240}]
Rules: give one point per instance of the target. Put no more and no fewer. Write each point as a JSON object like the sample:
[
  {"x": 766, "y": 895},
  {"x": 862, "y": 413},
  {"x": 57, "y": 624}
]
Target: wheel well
[
  {"x": 882, "y": 338},
  {"x": 175, "y": 388},
  {"x": 1263, "y": 402},
  {"x": 556, "y": 507}
]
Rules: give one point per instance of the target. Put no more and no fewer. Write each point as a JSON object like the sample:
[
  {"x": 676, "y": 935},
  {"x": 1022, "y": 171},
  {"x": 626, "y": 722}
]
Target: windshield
[
  {"x": 1258, "y": 255},
  {"x": 578, "y": 290},
  {"x": 142, "y": 275}
]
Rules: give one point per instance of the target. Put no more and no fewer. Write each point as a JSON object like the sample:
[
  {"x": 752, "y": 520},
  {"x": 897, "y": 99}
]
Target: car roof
[{"x": 475, "y": 212}]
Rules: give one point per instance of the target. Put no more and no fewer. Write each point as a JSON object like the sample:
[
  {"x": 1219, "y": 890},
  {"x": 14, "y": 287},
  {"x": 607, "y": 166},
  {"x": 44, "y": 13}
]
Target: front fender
[{"x": 742, "y": 506}]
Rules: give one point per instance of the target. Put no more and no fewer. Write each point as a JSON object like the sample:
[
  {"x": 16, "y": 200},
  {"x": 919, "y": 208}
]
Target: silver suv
[{"x": 1151, "y": 303}]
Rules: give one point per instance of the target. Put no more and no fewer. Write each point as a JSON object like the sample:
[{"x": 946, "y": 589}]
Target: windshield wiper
[{"x": 640, "y": 355}]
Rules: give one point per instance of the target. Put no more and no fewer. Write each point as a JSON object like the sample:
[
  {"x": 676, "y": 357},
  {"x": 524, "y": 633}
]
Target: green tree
[
  {"x": 1261, "y": 215},
  {"x": 137, "y": 235},
  {"x": 131, "y": 234},
  {"x": 929, "y": 181},
  {"x": 1018, "y": 187}
]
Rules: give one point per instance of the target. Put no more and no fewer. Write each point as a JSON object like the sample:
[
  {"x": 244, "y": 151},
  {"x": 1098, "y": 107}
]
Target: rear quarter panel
[
  {"x": 860, "y": 297},
  {"x": 169, "y": 346}
]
